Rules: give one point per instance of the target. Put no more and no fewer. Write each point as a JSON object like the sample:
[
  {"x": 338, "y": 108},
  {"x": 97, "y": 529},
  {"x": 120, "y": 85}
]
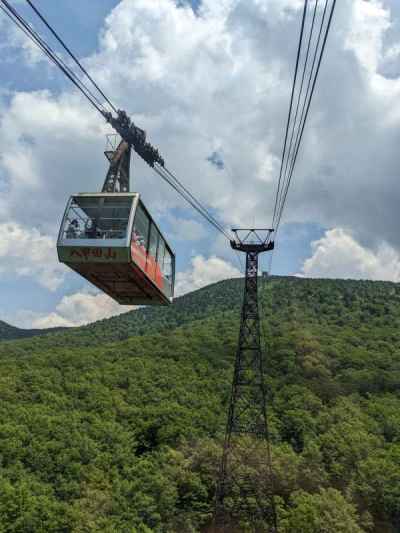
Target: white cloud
[
  {"x": 339, "y": 255},
  {"x": 48, "y": 147},
  {"x": 27, "y": 252},
  {"x": 74, "y": 310},
  {"x": 190, "y": 81},
  {"x": 83, "y": 307},
  {"x": 14, "y": 39},
  {"x": 221, "y": 81},
  {"x": 186, "y": 229},
  {"x": 370, "y": 22},
  {"x": 203, "y": 272}
]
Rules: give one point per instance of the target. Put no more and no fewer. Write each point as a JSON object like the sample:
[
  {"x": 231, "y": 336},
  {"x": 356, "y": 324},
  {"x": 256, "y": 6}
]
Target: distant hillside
[
  {"x": 8, "y": 332},
  {"x": 222, "y": 296},
  {"x": 195, "y": 305},
  {"x": 118, "y": 426}
]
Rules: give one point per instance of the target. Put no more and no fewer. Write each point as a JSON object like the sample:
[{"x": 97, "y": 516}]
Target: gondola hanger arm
[{"x": 134, "y": 136}]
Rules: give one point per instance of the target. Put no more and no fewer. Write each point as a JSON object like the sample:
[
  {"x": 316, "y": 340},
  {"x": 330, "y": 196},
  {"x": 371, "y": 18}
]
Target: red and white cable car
[{"x": 110, "y": 239}]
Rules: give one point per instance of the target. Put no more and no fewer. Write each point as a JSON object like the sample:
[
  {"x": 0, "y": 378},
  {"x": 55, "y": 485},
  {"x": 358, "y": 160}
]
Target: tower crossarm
[{"x": 256, "y": 240}]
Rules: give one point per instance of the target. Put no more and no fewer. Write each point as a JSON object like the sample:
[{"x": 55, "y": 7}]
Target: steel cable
[
  {"x": 201, "y": 206},
  {"x": 301, "y": 131},
  {"x": 290, "y": 106},
  {"x": 47, "y": 50},
  {"x": 161, "y": 171},
  {"x": 67, "y": 49},
  {"x": 299, "y": 99}
]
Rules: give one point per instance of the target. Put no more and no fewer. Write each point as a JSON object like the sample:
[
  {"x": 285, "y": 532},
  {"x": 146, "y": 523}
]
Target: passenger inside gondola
[
  {"x": 72, "y": 230},
  {"x": 98, "y": 218},
  {"x": 91, "y": 229}
]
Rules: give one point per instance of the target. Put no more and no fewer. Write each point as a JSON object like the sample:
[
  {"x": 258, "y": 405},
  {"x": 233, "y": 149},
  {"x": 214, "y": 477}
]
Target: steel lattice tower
[{"x": 244, "y": 497}]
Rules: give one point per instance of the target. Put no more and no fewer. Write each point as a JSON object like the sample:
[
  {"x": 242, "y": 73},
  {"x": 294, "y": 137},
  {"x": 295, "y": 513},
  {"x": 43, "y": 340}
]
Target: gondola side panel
[
  {"x": 92, "y": 254},
  {"x": 139, "y": 254}
]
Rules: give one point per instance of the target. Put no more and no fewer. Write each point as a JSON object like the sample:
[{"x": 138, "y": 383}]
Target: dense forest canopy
[{"x": 117, "y": 426}]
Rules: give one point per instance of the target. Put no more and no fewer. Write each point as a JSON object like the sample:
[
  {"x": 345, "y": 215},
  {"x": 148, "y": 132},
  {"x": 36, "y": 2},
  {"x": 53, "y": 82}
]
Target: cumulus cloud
[
  {"x": 186, "y": 229},
  {"x": 196, "y": 83},
  {"x": 339, "y": 255},
  {"x": 27, "y": 252},
  {"x": 83, "y": 308},
  {"x": 49, "y": 144},
  {"x": 203, "y": 272},
  {"x": 74, "y": 310},
  {"x": 219, "y": 82},
  {"x": 17, "y": 42},
  {"x": 371, "y": 21}
]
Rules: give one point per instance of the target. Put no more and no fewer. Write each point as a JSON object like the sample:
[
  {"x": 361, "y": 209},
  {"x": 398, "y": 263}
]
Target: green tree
[{"x": 323, "y": 512}]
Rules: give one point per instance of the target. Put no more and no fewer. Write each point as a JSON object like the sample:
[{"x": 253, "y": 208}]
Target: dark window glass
[
  {"x": 140, "y": 234},
  {"x": 97, "y": 217},
  {"x": 161, "y": 252},
  {"x": 114, "y": 216},
  {"x": 167, "y": 270},
  {"x": 167, "y": 266},
  {"x": 153, "y": 241}
]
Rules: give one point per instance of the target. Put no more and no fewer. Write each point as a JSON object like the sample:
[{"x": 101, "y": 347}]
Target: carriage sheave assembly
[{"x": 111, "y": 240}]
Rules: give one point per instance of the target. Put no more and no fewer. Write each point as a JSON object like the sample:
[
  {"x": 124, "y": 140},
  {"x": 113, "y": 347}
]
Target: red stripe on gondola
[{"x": 147, "y": 263}]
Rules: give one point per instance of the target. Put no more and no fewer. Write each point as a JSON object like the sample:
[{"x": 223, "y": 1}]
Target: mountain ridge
[
  {"x": 140, "y": 316},
  {"x": 10, "y": 332}
]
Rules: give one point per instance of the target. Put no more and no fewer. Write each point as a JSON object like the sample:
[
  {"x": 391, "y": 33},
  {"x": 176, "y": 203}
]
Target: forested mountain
[
  {"x": 187, "y": 308},
  {"x": 8, "y": 332},
  {"x": 117, "y": 426}
]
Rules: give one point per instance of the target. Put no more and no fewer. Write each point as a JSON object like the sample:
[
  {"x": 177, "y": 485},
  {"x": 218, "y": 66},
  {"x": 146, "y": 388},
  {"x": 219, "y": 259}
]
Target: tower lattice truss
[{"x": 245, "y": 500}]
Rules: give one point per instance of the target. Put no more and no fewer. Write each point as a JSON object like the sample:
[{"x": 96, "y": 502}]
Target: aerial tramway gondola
[{"x": 110, "y": 239}]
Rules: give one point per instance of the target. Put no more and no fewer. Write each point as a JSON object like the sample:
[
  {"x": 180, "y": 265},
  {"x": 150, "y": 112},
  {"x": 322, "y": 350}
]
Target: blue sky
[
  {"x": 211, "y": 87},
  {"x": 79, "y": 25}
]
